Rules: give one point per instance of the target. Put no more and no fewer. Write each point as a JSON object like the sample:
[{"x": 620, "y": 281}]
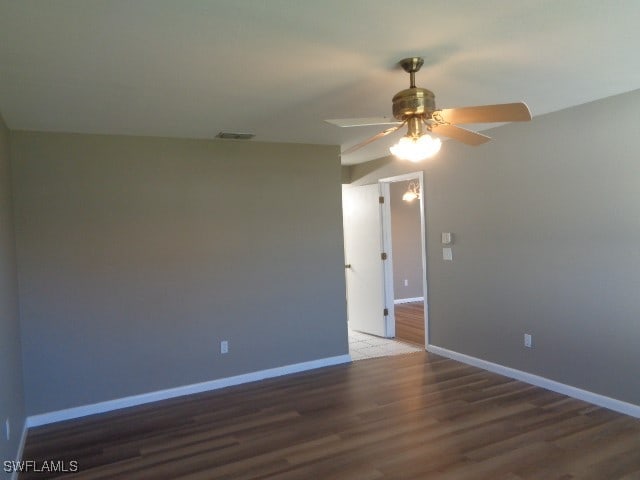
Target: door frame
[{"x": 388, "y": 247}]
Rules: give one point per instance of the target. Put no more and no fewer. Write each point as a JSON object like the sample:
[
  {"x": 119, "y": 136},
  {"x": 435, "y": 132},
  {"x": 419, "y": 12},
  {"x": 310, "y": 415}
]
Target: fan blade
[
  {"x": 377, "y": 136},
  {"x": 504, "y": 112},
  {"x": 461, "y": 134},
  {"x": 362, "y": 122}
]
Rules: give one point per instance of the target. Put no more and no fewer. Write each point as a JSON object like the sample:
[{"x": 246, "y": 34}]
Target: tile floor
[{"x": 363, "y": 346}]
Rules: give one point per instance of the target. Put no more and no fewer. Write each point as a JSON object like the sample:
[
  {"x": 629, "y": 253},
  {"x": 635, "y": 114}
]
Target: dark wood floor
[
  {"x": 410, "y": 322},
  {"x": 412, "y": 417}
]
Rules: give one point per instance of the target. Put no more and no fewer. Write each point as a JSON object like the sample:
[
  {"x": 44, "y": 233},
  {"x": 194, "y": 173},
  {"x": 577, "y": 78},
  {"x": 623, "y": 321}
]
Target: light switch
[
  {"x": 447, "y": 253},
  {"x": 446, "y": 238}
]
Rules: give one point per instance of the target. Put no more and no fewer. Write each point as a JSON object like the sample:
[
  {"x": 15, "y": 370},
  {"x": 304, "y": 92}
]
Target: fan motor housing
[{"x": 413, "y": 101}]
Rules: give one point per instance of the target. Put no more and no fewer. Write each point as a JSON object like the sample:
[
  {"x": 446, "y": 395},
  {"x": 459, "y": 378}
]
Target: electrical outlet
[
  {"x": 406, "y": 282},
  {"x": 7, "y": 429},
  {"x": 528, "y": 340},
  {"x": 224, "y": 346}
]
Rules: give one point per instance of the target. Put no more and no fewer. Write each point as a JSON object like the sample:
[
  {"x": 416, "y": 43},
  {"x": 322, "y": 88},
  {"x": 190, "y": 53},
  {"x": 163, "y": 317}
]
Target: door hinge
[
  {"x": 386, "y": 312},
  {"x": 383, "y": 256},
  {"x": 381, "y": 199}
]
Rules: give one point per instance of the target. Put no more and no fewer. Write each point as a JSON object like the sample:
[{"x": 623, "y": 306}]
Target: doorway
[
  {"x": 404, "y": 224},
  {"x": 371, "y": 294}
]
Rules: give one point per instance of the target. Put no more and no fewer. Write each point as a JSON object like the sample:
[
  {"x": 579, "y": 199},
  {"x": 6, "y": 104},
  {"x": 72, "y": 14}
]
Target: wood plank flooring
[
  {"x": 416, "y": 416},
  {"x": 410, "y": 322}
]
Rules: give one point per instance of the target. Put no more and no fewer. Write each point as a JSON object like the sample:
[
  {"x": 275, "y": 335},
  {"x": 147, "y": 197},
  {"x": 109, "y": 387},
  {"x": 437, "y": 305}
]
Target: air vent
[{"x": 235, "y": 136}]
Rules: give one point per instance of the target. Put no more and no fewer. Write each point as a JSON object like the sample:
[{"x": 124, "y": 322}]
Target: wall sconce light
[{"x": 412, "y": 193}]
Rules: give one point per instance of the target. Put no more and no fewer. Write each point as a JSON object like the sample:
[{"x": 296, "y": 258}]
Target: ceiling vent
[{"x": 235, "y": 136}]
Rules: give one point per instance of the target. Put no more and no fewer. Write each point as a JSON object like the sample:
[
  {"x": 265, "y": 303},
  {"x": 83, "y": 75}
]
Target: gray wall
[
  {"x": 11, "y": 389},
  {"x": 137, "y": 256},
  {"x": 406, "y": 243},
  {"x": 547, "y": 241}
]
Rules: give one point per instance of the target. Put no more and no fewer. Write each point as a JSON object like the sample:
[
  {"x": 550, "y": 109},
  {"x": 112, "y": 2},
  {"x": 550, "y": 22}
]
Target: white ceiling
[{"x": 278, "y": 68}]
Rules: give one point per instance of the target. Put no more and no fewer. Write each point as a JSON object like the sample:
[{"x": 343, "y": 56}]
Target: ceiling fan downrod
[{"x": 411, "y": 65}]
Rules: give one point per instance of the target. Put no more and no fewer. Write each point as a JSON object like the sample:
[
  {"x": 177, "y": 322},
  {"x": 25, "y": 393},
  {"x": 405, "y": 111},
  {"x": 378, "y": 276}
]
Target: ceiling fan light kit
[
  {"x": 416, "y": 108},
  {"x": 416, "y": 149}
]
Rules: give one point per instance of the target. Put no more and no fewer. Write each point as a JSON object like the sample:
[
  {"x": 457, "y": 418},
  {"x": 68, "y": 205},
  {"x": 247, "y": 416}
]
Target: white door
[{"x": 364, "y": 265}]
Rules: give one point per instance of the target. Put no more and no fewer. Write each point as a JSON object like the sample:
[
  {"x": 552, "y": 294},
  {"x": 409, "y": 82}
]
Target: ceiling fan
[{"x": 416, "y": 108}]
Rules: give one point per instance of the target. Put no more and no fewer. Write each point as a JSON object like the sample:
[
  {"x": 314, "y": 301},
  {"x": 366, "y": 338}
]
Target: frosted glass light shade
[{"x": 416, "y": 149}]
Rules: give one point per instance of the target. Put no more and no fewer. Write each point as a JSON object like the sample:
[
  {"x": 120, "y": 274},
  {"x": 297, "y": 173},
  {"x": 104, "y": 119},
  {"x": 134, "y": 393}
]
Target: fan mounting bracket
[{"x": 411, "y": 64}]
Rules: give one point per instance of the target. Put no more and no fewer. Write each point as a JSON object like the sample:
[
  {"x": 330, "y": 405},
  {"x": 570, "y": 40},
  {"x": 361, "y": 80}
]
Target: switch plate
[
  {"x": 224, "y": 346},
  {"x": 447, "y": 253},
  {"x": 528, "y": 340},
  {"x": 406, "y": 282},
  {"x": 446, "y": 238}
]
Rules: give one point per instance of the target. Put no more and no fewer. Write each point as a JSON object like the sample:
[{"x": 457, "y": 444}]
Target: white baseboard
[
  {"x": 102, "y": 407},
  {"x": 23, "y": 440},
  {"x": 408, "y": 300},
  {"x": 580, "y": 394}
]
